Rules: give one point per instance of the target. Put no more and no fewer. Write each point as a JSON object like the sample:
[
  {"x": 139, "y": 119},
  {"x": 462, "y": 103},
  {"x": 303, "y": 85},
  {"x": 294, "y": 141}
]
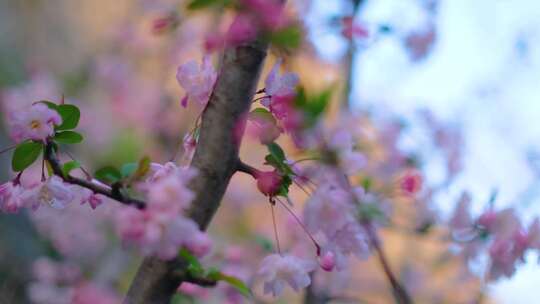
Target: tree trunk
[{"x": 216, "y": 160}]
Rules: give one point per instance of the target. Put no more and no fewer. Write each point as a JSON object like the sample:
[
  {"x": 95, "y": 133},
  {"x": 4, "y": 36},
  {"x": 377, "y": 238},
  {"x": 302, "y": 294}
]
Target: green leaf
[
  {"x": 286, "y": 182},
  {"x": 136, "y": 170},
  {"x": 235, "y": 282},
  {"x": 128, "y": 169},
  {"x": 289, "y": 37},
  {"x": 108, "y": 174},
  {"x": 265, "y": 243},
  {"x": 25, "y": 155},
  {"x": 143, "y": 167},
  {"x": 312, "y": 106},
  {"x": 194, "y": 266},
  {"x": 70, "y": 166},
  {"x": 276, "y": 151},
  {"x": 261, "y": 113},
  {"x": 68, "y": 137},
  {"x": 200, "y": 4},
  {"x": 70, "y": 116},
  {"x": 277, "y": 159}
]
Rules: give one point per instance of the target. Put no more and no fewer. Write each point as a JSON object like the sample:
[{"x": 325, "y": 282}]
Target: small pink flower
[
  {"x": 502, "y": 259},
  {"x": 192, "y": 290},
  {"x": 35, "y": 123},
  {"x": 327, "y": 261},
  {"x": 214, "y": 42},
  {"x": 189, "y": 144},
  {"x": 89, "y": 293},
  {"x": 280, "y": 85},
  {"x": 269, "y": 182},
  {"x": 242, "y": 29},
  {"x": 487, "y": 219},
  {"x": 277, "y": 270},
  {"x": 352, "y": 30},
  {"x": 200, "y": 244},
  {"x": 197, "y": 81},
  {"x": 164, "y": 24},
  {"x": 411, "y": 182},
  {"x": 269, "y": 12},
  {"x": 328, "y": 210},
  {"x": 263, "y": 128},
  {"x": 11, "y": 199}
]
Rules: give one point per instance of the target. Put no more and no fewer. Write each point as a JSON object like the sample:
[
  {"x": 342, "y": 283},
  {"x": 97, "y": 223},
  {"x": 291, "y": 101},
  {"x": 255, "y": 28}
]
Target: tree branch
[
  {"x": 50, "y": 156},
  {"x": 245, "y": 168},
  {"x": 216, "y": 160},
  {"x": 400, "y": 293}
]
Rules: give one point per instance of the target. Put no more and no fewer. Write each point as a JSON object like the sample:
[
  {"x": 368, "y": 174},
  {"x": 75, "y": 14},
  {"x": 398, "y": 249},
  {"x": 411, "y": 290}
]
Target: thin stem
[
  {"x": 400, "y": 293},
  {"x": 245, "y": 168},
  {"x": 88, "y": 175},
  {"x": 275, "y": 227},
  {"x": 8, "y": 148},
  {"x": 317, "y": 246}
]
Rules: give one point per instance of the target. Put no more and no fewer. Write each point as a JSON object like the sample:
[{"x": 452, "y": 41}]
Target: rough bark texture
[{"x": 216, "y": 159}]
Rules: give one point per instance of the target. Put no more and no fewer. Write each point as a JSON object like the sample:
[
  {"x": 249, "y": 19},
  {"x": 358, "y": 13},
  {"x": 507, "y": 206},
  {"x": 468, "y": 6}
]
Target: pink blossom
[
  {"x": 161, "y": 228},
  {"x": 328, "y": 210},
  {"x": 277, "y": 270},
  {"x": 189, "y": 144},
  {"x": 11, "y": 199},
  {"x": 270, "y": 12},
  {"x": 461, "y": 218},
  {"x": 94, "y": 200},
  {"x": 502, "y": 259},
  {"x": 242, "y": 29},
  {"x": 200, "y": 244},
  {"x": 411, "y": 182},
  {"x": 169, "y": 195},
  {"x": 197, "y": 81},
  {"x": 214, "y": 42},
  {"x": 269, "y": 183},
  {"x": 73, "y": 231},
  {"x": 192, "y": 290},
  {"x": 160, "y": 235},
  {"x": 263, "y": 128},
  {"x": 341, "y": 141},
  {"x": 53, "y": 192},
  {"x": 47, "y": 270},
  {"x": 35, "y": 123},
  {"x": 327, "y": 261},
  {"x": 89, "y": 293},
  {"x": 534, "y": 234},
  {"x": 280, "y": 85},
  {"x": 352, "y": 30},
  {"x": 349, "y": 240}
]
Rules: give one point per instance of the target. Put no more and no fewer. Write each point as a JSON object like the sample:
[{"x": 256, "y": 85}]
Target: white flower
[{"x": 277, "y": 270}]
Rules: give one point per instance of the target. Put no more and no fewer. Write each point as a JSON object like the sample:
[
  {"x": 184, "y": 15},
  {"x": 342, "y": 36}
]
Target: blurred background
[{"x": 475, "y": 65}]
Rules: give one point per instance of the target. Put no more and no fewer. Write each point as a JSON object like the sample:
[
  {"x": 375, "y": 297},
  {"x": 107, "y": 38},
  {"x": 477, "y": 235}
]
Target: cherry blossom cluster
[
  {"x": 503, "y": 234},
  {"x": 162, "y": 228},
  {"x": 63, "y": 283}
]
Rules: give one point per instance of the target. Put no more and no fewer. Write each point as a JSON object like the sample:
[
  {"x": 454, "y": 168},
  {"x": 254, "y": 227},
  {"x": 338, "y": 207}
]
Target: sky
[{"x": 482, "y": 74}]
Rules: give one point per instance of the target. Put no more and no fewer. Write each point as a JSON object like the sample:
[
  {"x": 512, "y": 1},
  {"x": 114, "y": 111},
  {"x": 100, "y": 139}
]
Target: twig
[
  {"x": 245, "y": 168},
  {"x": 400, "y": 293},
  {"x": 51, "y": 158}
]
